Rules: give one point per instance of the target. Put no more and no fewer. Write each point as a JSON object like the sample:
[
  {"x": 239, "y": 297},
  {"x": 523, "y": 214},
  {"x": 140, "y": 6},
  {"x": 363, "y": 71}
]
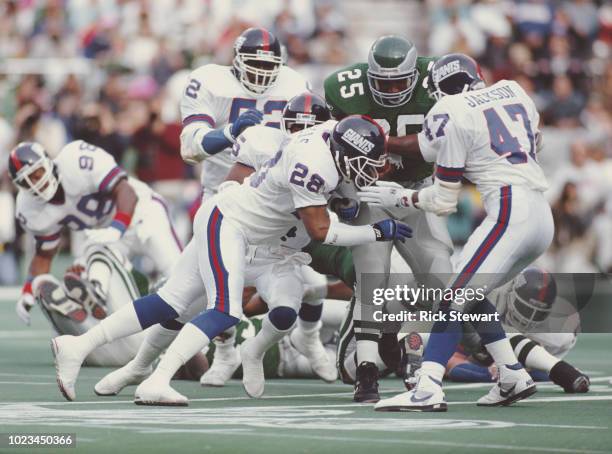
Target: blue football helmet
[
  {"x": 452, "y": 74},
  {"x": 533, "y": 295}
]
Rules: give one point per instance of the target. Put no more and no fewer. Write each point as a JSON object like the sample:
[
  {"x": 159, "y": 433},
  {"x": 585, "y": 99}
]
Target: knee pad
[
  {"x": 282, "y": 317},
  {"x": 311, "y": 312}
]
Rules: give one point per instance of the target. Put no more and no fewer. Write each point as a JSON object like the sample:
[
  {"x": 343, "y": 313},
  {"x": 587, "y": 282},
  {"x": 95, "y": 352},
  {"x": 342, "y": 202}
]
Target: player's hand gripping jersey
[
  {"x": 88, "y": 176},
  {"x": 300, "y": 174}
]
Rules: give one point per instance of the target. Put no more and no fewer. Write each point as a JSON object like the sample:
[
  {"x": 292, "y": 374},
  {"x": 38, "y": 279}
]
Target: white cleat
[
  {"x": 112, "y": 383},
  {"x": 426, "y": 396},
  {"x": 158, "y": 392},
  {"x": 253, "y": 378},
  {"x": 512, "y": 385},
  {"x": 68, "y": 359},
  {"x": 223, "y": 367},
  {"x": 309, "y": 344}
]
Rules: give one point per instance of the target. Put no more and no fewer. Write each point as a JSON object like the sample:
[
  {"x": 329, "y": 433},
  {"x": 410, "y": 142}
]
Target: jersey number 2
[{"x": 502, "y": 141}]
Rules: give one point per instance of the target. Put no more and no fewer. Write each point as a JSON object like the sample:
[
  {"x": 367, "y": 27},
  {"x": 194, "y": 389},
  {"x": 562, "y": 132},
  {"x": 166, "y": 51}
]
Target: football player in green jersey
[{"x": 391, "y": 88}]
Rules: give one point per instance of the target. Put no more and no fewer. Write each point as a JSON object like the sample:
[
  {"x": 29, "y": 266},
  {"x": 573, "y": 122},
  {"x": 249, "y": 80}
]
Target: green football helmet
[{"x": 392, "y": 72}]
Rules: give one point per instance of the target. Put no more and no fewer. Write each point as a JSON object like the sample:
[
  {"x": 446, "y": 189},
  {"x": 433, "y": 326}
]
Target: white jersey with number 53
[
  {"x": 487, "y": 136},
  {"x": 300, "y": 174},
  {"x": 213, "y": 97}
]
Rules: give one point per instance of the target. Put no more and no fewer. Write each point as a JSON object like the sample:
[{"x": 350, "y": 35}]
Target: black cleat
[{"x": 366, "y": 384}]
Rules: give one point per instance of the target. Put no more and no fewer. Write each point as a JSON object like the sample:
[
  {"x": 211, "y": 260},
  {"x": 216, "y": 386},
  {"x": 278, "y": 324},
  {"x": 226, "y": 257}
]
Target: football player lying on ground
[
  {"x": 525, "y": 305},
  {"x": 262, "y": 270},
  {"x": 84, "y": 189},
  {"x": 390, "y": 88},
  {"x": 69, "y": 307},
  {"x": 185, "y": 284},
  {"x": 488, "y": 135}
]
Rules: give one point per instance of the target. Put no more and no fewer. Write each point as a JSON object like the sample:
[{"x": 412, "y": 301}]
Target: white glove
[
  {"x": 106, "y": 235},
  {"x": 24, "y": 305},
  {"x": 386, "y": 194}
]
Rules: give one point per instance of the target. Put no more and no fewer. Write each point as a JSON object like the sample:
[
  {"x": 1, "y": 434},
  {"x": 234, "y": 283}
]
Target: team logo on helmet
[{"x": 358, "y": 141}]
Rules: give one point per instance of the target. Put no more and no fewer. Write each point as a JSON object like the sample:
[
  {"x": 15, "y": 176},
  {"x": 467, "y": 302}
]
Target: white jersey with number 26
[{"x": 487, "y": 136}]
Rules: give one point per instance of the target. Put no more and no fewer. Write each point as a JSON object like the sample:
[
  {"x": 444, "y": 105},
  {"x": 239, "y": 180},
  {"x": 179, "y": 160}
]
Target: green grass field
[{"x": 295, "y": 416}]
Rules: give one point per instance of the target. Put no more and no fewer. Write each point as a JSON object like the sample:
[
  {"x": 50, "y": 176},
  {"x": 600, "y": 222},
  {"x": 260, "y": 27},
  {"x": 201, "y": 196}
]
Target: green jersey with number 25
[{"x": 347, "y": 93}]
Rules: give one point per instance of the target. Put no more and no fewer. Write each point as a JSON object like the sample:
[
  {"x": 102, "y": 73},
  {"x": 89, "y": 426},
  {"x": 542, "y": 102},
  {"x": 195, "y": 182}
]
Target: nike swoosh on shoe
[{"x": 420, "y": 399}]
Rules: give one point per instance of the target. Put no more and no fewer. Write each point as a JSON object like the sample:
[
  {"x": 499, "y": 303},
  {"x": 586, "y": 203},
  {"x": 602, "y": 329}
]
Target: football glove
[
  {"x": 249, "y": 118},
  {"x": 106, "y": 235},
  {"x": 346, "y": 209},
  {"x": 390, "y": 229},
  {"x": 24, "y": 306},
  {"x": 386, "y": 194}
]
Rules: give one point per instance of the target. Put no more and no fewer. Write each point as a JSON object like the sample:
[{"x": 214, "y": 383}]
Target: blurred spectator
[
  {"x": 566, "y": 104},
  {"x": 95, "y": 124}
]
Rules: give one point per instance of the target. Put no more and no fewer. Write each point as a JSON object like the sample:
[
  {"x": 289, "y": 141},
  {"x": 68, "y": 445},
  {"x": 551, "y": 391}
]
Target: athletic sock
[
  {"x": 225, "y": 343},
  {"x": 266, "y": 337},
  {"x": 157, "y": 340},
  {"x": 190, "y": 341},
  {"x": 116, "y": 326},
  {"x": 433, "y": 369},
  {"x": 310, "y": 314},
  {"x": 502, "y": 352},
  {"x": 367, "y": 350},
  {"x": 532, "y": 355}
]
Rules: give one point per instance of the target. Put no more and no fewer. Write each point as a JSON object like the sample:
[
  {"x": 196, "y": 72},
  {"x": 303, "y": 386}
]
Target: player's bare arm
[
  {"x": 239, "y": 172},
  {"x": 125, "y": 197}
]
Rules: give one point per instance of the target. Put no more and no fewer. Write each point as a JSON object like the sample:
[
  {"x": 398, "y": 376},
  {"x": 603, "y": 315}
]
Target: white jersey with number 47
[
  {"x": 300, "y": 174},
  {"x": 487, "y": 136}
]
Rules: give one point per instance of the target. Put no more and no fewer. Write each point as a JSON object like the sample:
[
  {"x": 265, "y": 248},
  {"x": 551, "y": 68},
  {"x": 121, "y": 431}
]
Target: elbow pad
[
  {"x": 191, "y": 143},
  {"x": 440, "y": 198}
]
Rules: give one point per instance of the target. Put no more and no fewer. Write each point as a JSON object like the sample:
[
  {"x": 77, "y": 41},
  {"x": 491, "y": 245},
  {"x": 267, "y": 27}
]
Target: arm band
[
  {"x": 340, "y": 234},
  {"x": 27, "y": 286},
  {"x": 217, "y": 140},
  {"x": 121, "y": 221}
]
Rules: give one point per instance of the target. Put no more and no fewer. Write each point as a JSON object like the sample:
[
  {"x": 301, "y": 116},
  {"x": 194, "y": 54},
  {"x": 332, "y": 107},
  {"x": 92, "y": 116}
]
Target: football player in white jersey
[
  {"x": 487, "y": 135},
  {"x": 83, "y": 188},
  {"x": 293, "y": 187},
  {"x": 221, "y": 101},
  {"x": 153, "y": 309},
  {"x": 254, "y": 147}
]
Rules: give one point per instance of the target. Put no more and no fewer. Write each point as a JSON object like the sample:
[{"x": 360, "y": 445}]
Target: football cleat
[
  {"x": 225, "y": 363},
  {"x": 80, "y": 290},
  {"x": 157, "y": 392},
  {"x": 112, "y": 383},
  {"x": 309, "y": 344},
  {"x": 580, "y": 385},
  {"x": 427, "y": 396},
  {"x": 53, "y": 298},
  {"x": 253, "y": 378},
  {"x": 512, "y": 385},
  {"x": 366, "y": 383},
  {"x": 68, "y": 358}
]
